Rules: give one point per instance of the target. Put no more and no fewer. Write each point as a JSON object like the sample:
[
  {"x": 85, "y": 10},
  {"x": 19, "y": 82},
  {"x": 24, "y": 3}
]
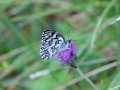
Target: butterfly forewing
[{"x": 52, "y": 42}]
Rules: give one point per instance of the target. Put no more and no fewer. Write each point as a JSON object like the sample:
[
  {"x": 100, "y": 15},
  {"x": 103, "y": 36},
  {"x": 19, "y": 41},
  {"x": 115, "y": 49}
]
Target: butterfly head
[{"x": 68, "y": 55}]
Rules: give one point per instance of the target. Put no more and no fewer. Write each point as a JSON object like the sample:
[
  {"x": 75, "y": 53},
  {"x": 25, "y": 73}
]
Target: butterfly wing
[{"x": 52, "y": 42}]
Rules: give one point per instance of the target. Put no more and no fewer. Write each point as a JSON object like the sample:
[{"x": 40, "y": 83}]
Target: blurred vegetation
[{"x": 86, "y": 22}]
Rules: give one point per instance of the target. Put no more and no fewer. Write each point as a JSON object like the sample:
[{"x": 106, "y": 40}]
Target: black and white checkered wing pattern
[{"x": 51, "y": 43}]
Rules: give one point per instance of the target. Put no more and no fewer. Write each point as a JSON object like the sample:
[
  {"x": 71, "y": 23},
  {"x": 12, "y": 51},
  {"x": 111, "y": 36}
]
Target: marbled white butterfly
[{"x": 54, "y": 44}]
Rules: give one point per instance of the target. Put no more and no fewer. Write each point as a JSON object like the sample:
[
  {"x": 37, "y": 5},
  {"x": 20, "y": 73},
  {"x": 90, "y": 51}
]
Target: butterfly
[{"x": 54, "y": 44}]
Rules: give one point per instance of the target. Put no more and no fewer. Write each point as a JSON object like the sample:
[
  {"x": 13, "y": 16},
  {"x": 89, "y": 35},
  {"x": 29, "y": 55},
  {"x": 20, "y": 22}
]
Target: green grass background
[{"x": 86, "y": 22}]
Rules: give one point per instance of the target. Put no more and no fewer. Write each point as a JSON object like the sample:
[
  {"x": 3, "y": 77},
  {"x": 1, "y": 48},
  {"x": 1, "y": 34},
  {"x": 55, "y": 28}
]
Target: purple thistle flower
[{"x": 68, "y": 54}]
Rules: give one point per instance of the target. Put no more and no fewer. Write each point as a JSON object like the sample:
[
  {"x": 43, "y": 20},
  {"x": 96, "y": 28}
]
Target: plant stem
[
  {"x": 100, "y": 21},
  {"x": 86, "y": 78}
]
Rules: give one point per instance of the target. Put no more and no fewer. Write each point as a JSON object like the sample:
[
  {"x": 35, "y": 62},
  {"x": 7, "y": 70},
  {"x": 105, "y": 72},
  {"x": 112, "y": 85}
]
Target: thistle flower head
[{"x": 68, "y": 54}]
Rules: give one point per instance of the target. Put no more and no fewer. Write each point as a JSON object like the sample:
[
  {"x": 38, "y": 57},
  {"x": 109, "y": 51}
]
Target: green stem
[
  {"x": 86, "y": 78},
  {"x": 99, "y": 23}
]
